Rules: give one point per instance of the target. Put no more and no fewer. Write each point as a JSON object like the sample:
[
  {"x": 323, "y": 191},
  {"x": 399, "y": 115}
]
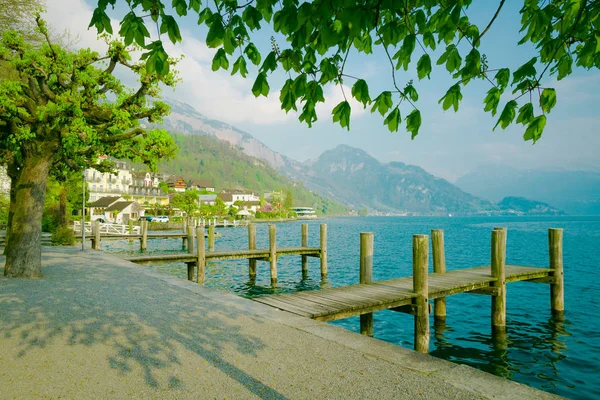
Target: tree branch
[
  {"x": 123, "y": 136},
  {"x": 487, "y": 28}
]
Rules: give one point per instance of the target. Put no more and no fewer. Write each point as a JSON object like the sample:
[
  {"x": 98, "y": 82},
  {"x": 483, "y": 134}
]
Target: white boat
[{"x": 304, "y": 212}]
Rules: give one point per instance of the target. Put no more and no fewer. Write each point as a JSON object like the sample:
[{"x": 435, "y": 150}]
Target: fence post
[
  {"x": 144, "y": 239},
  {"x": 498, "y": 269},
  {"x": 273, "y": 252},
  {"x": 304, "y": 244},
  {"x": 190, "y": 239},
  {"x": 366, "y": 277},
  {"x": 323, "y": 237},
  {"x": 211, "y": 238},
  {"x": 252, "y": 246},
  {"x": 420, "y": 287},
  {"x": 439, "y": 267},
  {"x": 201, "y": 263},
  {"x": 97, "y": 235},
  {"x": 557, "y": 289}
]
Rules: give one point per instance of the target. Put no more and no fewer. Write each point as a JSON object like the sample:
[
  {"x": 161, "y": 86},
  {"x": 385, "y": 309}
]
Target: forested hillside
[{"x": 206, "y": 157}]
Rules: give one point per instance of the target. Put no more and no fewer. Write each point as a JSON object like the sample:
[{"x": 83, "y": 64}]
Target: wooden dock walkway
[
  {"x": 412, "y": 294},
  {"x": 197, "y": 260},
  {"x": 346, "y": 301}
]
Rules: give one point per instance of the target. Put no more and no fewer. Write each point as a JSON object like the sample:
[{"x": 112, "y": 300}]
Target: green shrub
[{"x": 63, "y": 236}]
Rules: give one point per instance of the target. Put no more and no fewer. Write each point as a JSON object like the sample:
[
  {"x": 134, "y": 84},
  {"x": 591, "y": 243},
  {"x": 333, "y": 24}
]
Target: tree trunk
[
  {"x": 62, "y": 207},
  {"x": 11, "y": 206},
  {"x": 23, "y": 246}
]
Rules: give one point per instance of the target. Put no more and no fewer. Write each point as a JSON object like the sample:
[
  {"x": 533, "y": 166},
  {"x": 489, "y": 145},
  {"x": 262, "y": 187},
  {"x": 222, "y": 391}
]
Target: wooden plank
[
  {"x": 309, "y": 306},
  {"x": 273, "y": 302}
]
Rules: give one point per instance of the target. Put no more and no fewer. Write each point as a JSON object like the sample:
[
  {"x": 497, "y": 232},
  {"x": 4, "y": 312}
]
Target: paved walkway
[{"x": 96, "y": 326}]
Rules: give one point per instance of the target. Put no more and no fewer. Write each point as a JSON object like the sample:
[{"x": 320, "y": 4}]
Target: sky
[{"x": 449, "y": 144}]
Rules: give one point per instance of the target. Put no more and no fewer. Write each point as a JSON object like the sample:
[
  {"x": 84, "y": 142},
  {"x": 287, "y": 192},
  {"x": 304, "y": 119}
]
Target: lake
[{"x": 560, "y": 356}]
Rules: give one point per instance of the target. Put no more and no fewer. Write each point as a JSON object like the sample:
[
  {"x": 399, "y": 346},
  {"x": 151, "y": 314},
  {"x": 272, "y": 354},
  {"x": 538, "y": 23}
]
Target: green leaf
[
  {"x": 220, "y": 60},
  {"x": 169, "y": 25},
  {"x": 383, "y": 103},
  {"x": 424, "y": 66},
  {"x": 253, "y": 54},
  {"x": 451, "y": 57},
  {"x": 360, "y": 91},
  {"x": 525, "y": 114},
  {"x": 535, "y": 128},
  {"x": 411, "y": 92},
  {"x": 492, "y": 100},
  {"x": 502, "y": 77},
  {"x": 270, "y": 63},
  {"x": 429, "y": 40},
  {"x": 287, "y": 96},
  {"x": 157, "y": 59},
  {"x": 240, "y": 65},
  {"x": 261, "y": 86},
  {"x": 413, "y": 123},
  {"x": 101, "y": 21},
  {"x": 507, "y": 115},
  {"x": 252, "y": 17},
  {"x": 181, "y": 7},
  {"x": 341, "y": 114},
  {"x": 195, "y": 5},
  {"x": 547, "y": 99},
  {"x": 216, "y": 33},
  {"x": 393, "y": 120},
  {"x": 525, "y": 70},
  {"x": 204, "y": 15},
  {"x": 452, "y": 97}
]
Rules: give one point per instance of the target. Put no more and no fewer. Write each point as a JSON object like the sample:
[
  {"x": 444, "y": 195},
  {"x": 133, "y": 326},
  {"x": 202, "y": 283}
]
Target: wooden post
[
  {"x": 273, "y": 252},
  {"x": 557, "y": 289},
  {"x": 366, "y": 277},
  {"x": 130, "y": 224},
  {"x": 420, "y": 283},
  {"x": 190, "y": 239},
  {"x": 211, "y": 238},
  {"x": 252, "y": 246},
  {"x": 498, "y": 266},
  {"x": 323, "y": 251},
  {"x": 144, "y": 239},
  {"x": 439, "y": 267},
  {"x": 97, "y": 235},
  {"x": 201, "y": 263},
  {"x": 304, "y": 244},
  {"x": 190, "y": 270},
  {"x": 184, "y": 240}
]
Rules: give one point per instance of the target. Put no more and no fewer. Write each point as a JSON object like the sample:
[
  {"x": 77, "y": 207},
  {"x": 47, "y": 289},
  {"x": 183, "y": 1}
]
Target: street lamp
[{"x": 83, "y": 212}]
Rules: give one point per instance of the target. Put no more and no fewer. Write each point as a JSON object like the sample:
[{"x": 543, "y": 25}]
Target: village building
[
  {"x": 115, "y": 210},
  {"x": 177, "y": 183},
  {"x": 202, "y": 185}
]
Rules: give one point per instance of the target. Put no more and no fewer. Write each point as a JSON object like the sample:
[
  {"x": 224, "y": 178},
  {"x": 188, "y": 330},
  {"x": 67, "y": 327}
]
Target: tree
[
  {"x": 187, "y": 202},
  {"x": 19, "y": 15},
  {"x": 288, "y": 203},
  {"x": 363, "y": 211},
  {"x": 59, "y": 115},
  {"x": 319, "y": 36}
]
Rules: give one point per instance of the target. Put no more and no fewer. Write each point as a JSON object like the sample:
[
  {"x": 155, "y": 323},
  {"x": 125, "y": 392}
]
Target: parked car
[
  {"x": 146, "y": 217},
  {"x": 160, "y": 218}
]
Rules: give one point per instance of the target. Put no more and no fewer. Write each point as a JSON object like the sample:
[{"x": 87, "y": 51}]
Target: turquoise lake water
[{"x": 559, "y": 356}]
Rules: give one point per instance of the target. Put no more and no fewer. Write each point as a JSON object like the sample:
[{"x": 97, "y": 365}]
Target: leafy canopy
[
  {"x": 320, "y": 35},
  {"x": 68, "y": 107}
]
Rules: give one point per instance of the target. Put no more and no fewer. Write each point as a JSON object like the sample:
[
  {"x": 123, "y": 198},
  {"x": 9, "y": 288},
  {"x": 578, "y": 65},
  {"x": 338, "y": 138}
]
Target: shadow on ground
[{"x": 140, "y": 322}]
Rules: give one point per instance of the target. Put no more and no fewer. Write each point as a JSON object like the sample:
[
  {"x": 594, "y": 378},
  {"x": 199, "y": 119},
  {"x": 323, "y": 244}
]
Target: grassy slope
[{"x": 206, "y": 157}]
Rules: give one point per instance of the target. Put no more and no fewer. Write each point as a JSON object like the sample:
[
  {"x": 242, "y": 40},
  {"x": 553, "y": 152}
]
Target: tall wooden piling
[
  {"x": 190, "y": 239},
  {"x": 252, "y": 246},
  {"x": 211, "y": 238},
  {"x": 144, "y": 239},
  {"x": 96, "y": 244},
  {"x": 304, "y": 244},
  {"x": 130, "y": 226},
  {"x": 201, "y": 251},
  {"x": 366, "y": 277},
  {"x": 420, "y": 287},
  {"x": 323, "y": 237},
  {"x": 184, "y": 240},
  {"x": 498, "y": 268},
  {"x": 557, "y": 288},
  {"x": 273, "y": 252},
  {"x": 439, "y": 267}
]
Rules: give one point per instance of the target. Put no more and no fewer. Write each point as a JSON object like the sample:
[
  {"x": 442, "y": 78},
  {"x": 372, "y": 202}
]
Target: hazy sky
[{"x": 449, "y": 144}]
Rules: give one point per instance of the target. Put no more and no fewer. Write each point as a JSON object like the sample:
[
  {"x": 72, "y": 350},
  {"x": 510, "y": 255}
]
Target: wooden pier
[
  {"x": 412, "y": 294},
  {"x": 143, "y": 237},
  {"x": 199, "y": 258}
]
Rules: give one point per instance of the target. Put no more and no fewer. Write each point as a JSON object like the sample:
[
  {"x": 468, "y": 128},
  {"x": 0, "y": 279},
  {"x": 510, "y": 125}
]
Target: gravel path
[{"x": 97, "y": 327}]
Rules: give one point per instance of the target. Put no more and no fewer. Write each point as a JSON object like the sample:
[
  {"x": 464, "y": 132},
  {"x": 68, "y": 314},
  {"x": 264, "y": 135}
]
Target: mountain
[
  {"x": 187, "y": 120},
  {"x": 203, "y": 156},
  {"x": 359, "y": 180},
  {"x": 575, "y": 192},
  {"x": 523, "y": 206}
]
